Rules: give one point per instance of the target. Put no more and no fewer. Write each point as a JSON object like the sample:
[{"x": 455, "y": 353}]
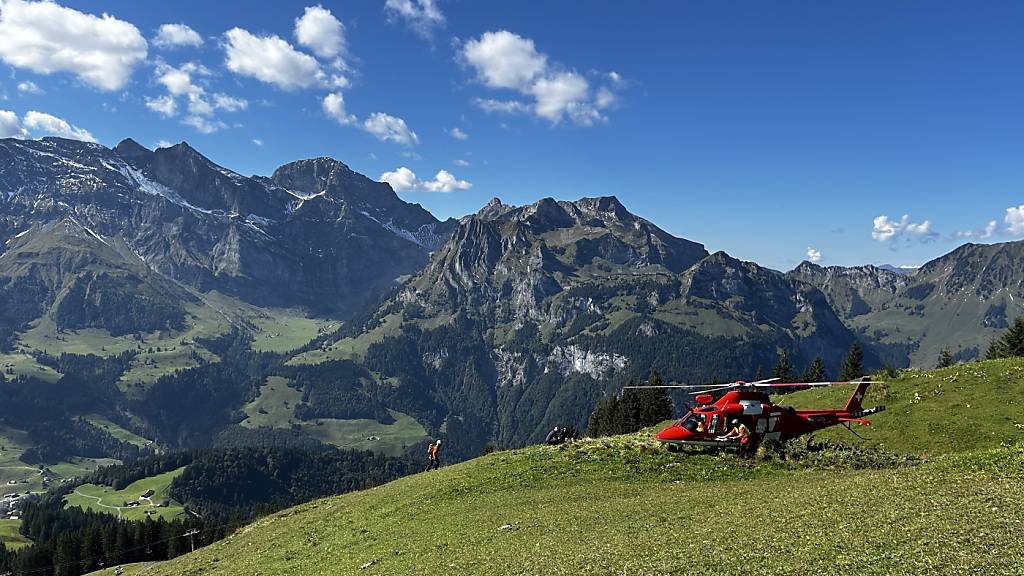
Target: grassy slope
[
  {"x": 965, "y": 407},
  {"x": 27, "y": 477},
  {"x": 624, "y": 506},
  {"x": 117, "y": 431},
  {"x": 274, "y": 330},
  {"x": 274, "y": 406},
  {"x": 391, "y": 439},
  {"x": 105, "y": 499},
  {"x": 9, "y": 535}
]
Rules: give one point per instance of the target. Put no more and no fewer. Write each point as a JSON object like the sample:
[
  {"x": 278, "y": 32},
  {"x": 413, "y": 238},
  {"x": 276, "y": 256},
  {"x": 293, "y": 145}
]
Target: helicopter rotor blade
[
  {"x": 815, "y": 384},
  {"x": 711, "y": 390}
]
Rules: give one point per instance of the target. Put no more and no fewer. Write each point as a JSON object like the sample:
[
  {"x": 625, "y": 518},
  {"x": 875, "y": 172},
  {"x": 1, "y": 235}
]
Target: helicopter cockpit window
[{"x": 691, "y": 422}]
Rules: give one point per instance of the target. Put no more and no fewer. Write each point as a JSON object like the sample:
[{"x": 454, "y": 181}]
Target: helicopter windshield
[{"x": 691, "y": 421}]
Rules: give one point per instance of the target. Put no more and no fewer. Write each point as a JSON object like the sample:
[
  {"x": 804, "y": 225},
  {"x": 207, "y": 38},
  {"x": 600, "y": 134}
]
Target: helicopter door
[
  {"x": 714, "y": 424},
  {"x": 773, "y": 420}
]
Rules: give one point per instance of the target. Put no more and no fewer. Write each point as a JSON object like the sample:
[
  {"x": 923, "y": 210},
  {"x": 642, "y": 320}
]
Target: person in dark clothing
[
  {"x": 555, "y": 437},
  {"x": 434, "y": 456}
]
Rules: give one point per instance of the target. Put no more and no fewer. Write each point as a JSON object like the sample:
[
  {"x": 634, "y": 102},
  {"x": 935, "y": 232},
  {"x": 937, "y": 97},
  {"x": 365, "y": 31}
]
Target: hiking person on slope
[{"x": 434, "y": 456}]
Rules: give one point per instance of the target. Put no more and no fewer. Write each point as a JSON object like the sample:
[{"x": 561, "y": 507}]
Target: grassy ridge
[
  {"x": 962, "y": 408},
  {"x": 624, "y": 506}
]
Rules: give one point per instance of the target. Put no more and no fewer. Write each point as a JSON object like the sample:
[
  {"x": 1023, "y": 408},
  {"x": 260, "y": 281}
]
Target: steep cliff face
[{"x": 316, "y": 234}]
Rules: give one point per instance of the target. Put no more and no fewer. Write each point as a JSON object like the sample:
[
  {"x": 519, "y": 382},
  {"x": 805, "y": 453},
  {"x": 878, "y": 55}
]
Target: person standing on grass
[{"x": 434, "y": 456}]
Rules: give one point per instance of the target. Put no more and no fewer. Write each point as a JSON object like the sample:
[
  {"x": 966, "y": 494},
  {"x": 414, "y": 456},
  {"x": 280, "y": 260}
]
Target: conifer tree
[
  {"x": 1010, "y": 344},
  {"x": 945, "y": 358},
  {"x": 816, "y": 371},
  {"x": 656, "y": 405},
  {"x": 853, "y": 365},
  {"x": 783, "y": 369}
]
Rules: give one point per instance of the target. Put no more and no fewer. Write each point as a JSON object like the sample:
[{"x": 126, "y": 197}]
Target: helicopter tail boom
[{"x": 854, "y": 403}]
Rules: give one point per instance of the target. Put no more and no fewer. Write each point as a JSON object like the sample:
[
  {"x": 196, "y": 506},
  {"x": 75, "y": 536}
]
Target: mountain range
[{"x": 491, "y": 328}]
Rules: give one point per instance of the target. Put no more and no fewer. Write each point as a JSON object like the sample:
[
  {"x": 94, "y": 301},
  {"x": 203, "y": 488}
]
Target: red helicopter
[{"x": 709, "y": 422}]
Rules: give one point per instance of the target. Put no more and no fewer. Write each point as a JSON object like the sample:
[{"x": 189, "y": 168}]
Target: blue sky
[{"x": 769, "y": 130}]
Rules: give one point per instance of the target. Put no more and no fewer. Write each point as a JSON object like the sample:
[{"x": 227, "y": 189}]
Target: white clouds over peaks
[
  {"x": 422, "y": 16},
  {"x": 983, "y": 234},
  {"x": 176, "y": 35},
  {"x": 318, "y": 30},
  {"x": 270, "y": 59},
  {"x": 10, "y": 125},
  {"x": 334, "y": 107},
  {"x": 46, "y": 38},
  {"x": 403, "y": 179},
  {"x": 49, "y": 125},
  {"x": 504, "y": 60},
  {"x": 1014, "y": 220},
  {"x": 40, "y": 124},
  {"x": 383, "y": 126},
  {"x": 386, "y": 127},
  {"x": 885, "y": 229},
  {"x": 180, "y": 82},
  {"x": 163, "y": 105},
  {"x": 813, "y": 255}
]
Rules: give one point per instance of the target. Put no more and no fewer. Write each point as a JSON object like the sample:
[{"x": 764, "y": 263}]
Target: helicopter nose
[{"x": 673, "y": 433}]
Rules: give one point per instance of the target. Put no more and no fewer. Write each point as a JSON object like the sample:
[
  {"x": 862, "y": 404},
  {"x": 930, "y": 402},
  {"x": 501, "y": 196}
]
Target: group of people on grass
[{"x": 561, "y": 436}]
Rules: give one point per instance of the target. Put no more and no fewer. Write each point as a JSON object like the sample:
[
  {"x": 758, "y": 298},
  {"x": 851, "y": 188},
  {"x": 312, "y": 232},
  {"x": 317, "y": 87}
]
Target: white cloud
[
  {"x": 1014, "y": 220},
  {"x": 422, "y": 16},
  {"x": 383, "y": 126},
  {"x": 10, "y": 125},
  {"x": 460, "y": 162},
  {"x": 29, "y": 87},
  {"x": 458, "y": 134},
  {"x": 505, "y": 60},
  {"x": 318, "y": 30},
  {"x": 257, "y": 141},
  {"x": 386, "y": 127},
  {"x": 175, "y": 35},
  {"x": 987, "y": 232},
  {"x": 334, "y": 107},
  {"x": 48, "y": 124},
  {"x": 403, "y": 179},
  {"x": 46, "y": 38},
  {"x": 164, "y": 144},
  {"x": 270, "y": 59},
  {"x": 203, "y": 124},
  {"x": 885, "y": 229},
  {"x": 229, "y": 103},
  {"x": 502, "y": 106},
  {"x": 179, "y": 82},
  {"x": 163, "y": 105},
  {"x": 563, "y": 93},
  {"x": 813, "y": 255}
]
